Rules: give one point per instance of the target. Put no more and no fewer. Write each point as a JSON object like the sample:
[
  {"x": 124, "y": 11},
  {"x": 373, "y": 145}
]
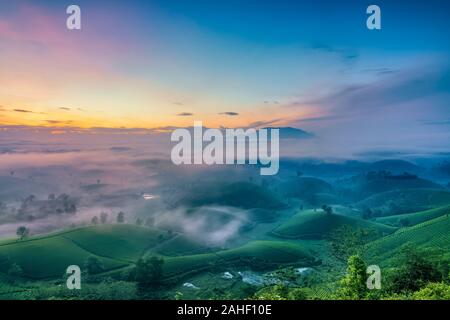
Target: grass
[
  {"x": 47, "y": 257},
  {"x": 431, "y": 234},
  {"x": 177, "y": 246},
  {"x": 117, "y": 241},
  {"x": 411, "y": 219},
  {"x": 310, "y": 224}
]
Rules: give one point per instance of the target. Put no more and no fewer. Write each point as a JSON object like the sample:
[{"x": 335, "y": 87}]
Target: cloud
[
  {"x": 347, "y": 55},
  {"x": 64, "y": 108},
  {"x": 319, "y": 119},
  {"x": 379, "y": 71},
  {"x": 229, "y": 113},
  {"x": 185, "y": 114},
  {"x": 258, "y": 124},
  {"x": 58, "y": 122},
  {"x": 398, "y": 88},
  {"x": 22, "y": 111},
  {"x": 178, "y": 103}
]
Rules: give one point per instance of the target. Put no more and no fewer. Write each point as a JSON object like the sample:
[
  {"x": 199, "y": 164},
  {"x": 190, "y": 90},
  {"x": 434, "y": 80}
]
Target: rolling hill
[
  {"x": 405, "y": 201},
  {"x": 269, "y": 253},
  {"x": 119, "y": 246},
  {"x": 244, "y": 195},
  {"x": 48, "y": 256},
  {"x": 433, "y": 234},
  {"x": 411, "y": 219},
  {"x": 364, "y": 185},
  {"x": 310, "y": 224},
  {"x": 395, "y": 166},
  {"x": 306, "y": 188}
]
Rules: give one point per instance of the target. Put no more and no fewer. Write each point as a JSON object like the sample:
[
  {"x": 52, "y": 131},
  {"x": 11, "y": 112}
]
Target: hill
[
  {"x": 364, "y": 185},
  {"x": 305, "y": 188},
  {"x": 395, "y": 166},
  {"x": 259, "y": 254},
  {"x": 411, "y": 219},
  {"x": 244, "y": 195},
  {"x": 404, "y": 201},
  {"x": 49, "y": 256},
  {"x": 312, "y": 224},
  {"x": 432, "y": 234}
]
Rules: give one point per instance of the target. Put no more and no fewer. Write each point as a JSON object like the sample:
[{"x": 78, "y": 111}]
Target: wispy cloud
[
  {"x": 65, "y": 108},
  {"x": 264, "y": 123},
  {"x": 319, "y": 119},
  {"x": 58, "y": 122},
  {"x": 229, "y": 113},
  {"x": 185, "y": 114},
  {"x": 22, "y": 111}
]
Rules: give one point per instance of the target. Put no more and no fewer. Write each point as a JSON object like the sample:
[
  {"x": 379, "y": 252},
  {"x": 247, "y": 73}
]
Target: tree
[
  {"x": 103, "y": 218},
  {"x": 281, "y": 292},
  {"x": 415, "y": 272},
  {"x": 22, "y": 232},
  {"x": 148, "y": 273},
  {"x": 346, "y": 241},
  {"x": 139, "y": 222},
  {"x": 433, "y": 291},
  {"x": 327, "y": 209},
  {"x": 120, "y": 217},
  {"x": 94, "y": 220},
  {"x": 353, "y": 286},
  {"x": 93, "y": 265}
]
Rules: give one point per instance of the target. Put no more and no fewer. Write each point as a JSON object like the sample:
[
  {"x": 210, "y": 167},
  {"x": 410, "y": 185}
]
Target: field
[
  {"x": 229, "y": 240},
  {"x": 410, "y": 219},
  {"x": 432, "y": 234}
]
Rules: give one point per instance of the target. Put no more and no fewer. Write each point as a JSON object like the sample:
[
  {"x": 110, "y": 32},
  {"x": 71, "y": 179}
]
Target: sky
[{"x": 160, "y": 64}]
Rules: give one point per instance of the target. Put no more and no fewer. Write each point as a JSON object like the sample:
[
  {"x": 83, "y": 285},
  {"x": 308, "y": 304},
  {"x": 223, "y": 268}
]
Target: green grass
[
  {"x": 47, "y": 257},
  {"x": 177, "y": 246},
  {"x": 411, "y": 219},
  {"x": 310, "y": 224},
  {"x": 273, "y": 253},
  {"x": 431, "y": 234},
  {"x": 118, "y": 241}
]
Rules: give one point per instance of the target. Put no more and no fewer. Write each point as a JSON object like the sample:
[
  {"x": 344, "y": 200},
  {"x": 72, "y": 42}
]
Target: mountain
[{"x": 292, "y": 133}]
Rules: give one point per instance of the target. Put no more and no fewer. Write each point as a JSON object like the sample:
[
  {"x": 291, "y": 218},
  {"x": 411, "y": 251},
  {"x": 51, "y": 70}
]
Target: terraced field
[
  {"x": 47, "y": 257},
  {"x": 411, "y": 219},
  {"x": 430, "y": 234},
  {"x": 119, "y": 246},
  {"x": 121, "y": 242}
]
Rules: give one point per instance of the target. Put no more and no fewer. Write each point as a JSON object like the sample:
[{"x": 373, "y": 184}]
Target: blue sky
[{"x": 309, "y": 64}]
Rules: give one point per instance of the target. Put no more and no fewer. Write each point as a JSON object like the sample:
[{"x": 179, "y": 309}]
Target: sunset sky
[{"x": 149, "y": 64}]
